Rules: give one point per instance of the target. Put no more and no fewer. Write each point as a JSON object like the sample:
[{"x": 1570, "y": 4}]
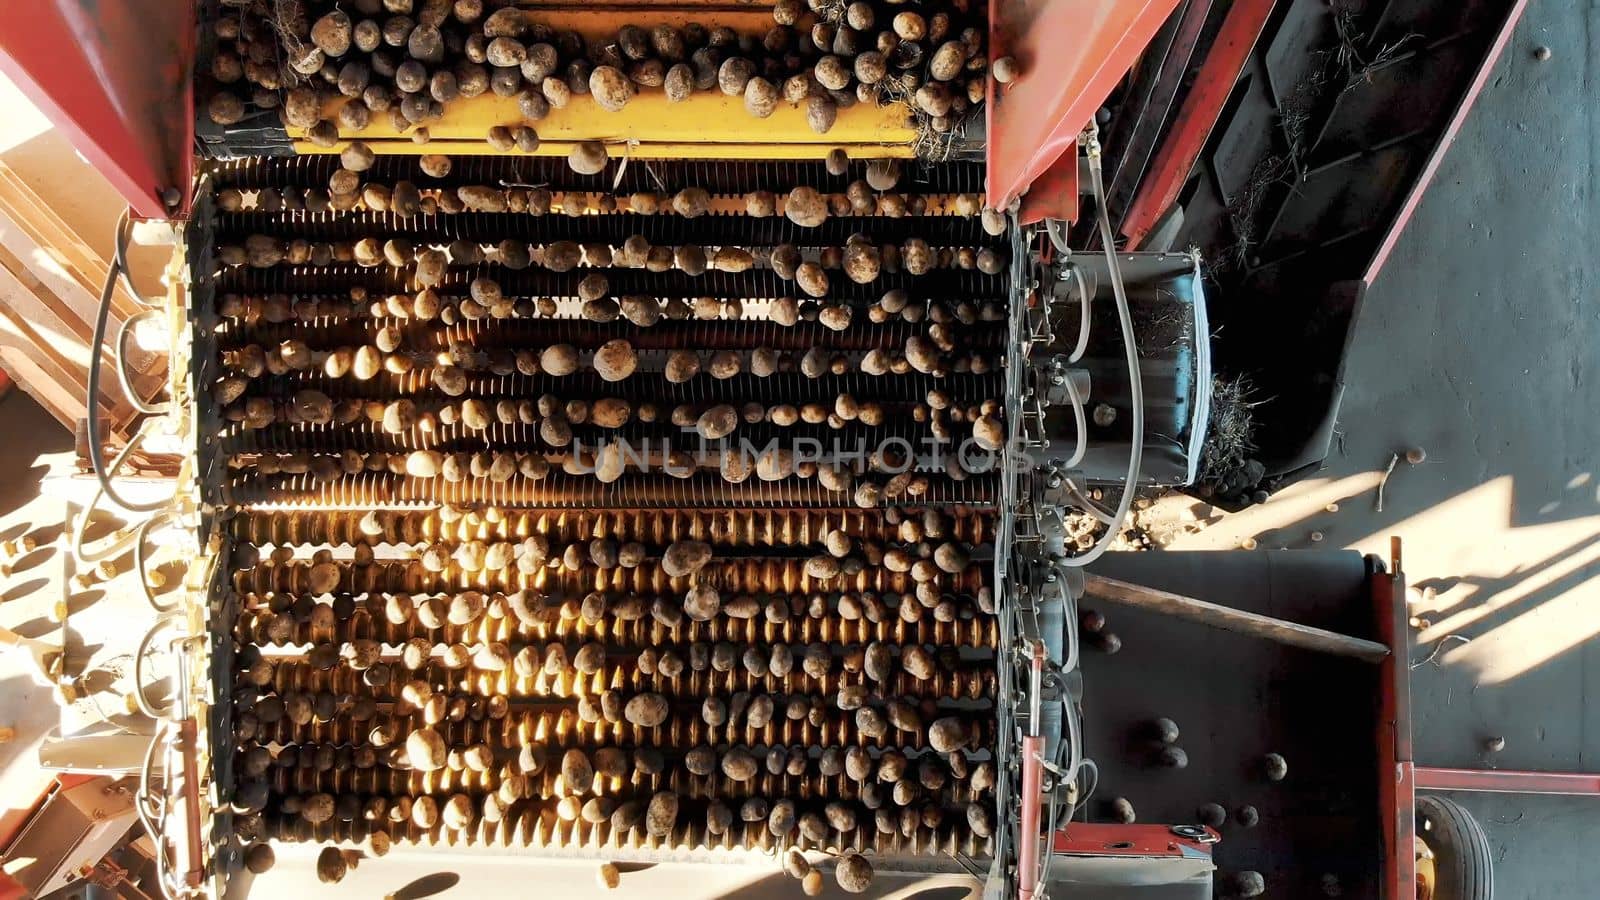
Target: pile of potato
[{"x": 409, "y": 59}]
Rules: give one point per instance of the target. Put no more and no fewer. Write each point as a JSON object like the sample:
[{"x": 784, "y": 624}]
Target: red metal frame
[
  {"x": 1396, "y": 768},
  {"x": 1053, "y": 195},
  {"x": 1109, "y": 839},
  {"x": 1032, "y": 789},
  {"x": 127, "y": 105},
  {"x": 1198, "y": 115},
  {"x": 1071, "y": 55},
  {"x": 1501, "y": 781},
  {"x": 1134, "y": 138},
  {"x": 1479, "y": 79}
]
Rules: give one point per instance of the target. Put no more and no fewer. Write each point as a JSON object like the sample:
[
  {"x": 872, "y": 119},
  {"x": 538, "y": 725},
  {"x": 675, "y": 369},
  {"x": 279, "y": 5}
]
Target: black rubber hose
[{"x": 96, "y": 355}]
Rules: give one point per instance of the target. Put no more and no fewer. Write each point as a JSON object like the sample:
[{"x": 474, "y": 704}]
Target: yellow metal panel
[{"x": 708, "y": 124}]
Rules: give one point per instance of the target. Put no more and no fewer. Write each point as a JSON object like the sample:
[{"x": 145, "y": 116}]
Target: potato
[
  {"x": 702, "y": 603},
  {"x": 562, "y": 256},
  {"x": 559, "y": 359},
  {"x": 593, "y": 287},
  {"x": 795, "y": 88},
  {"x": 443, "y": 87},
  {"x": 870, "y": 67},
  {"x": 1005, "y": 69},
  {"x": 786, "y": 261},
  {"x": 781, "y": 821},
  {"x": 678, "y": 81},
  {"x": 685, "y": 558},
  {"x": 883, "y": 174},
  {"x": 646, "y": 710},
  {"x": 760, "y": 98},
  {"x": 947, "y": 735},
  {"x": 225, "y": 108},
  {"x": 691, "y": 203},
  {"x": 916, "y": 257},
  {"x": 588, "y": 158},
  {"x": 948, "y": 61},
  {"x": 331, "y": 866},
  {"x": 988, "y": 432},
  {"x": 725, "y": 364},
  {"x": 525, "y": 138},
  {"x": 994, "y": 221},
  {"x": 935, "y": 99},
  {"x": 610, "y": 412},
  {"x": 426, "y": 44},
  {"x": 910, "y": 26},
  {"x": 301, "y": 107},
  {"x": 681, "y": 366},
  {"x": 661, "y": 816},
  {"x": 812, "y": 279},
  {"x": 732, "y": 259},
  {"x": 835, "y": 317},
  {"x": 806, "y": 207},
  {"x": 481, "y": 198},
  {"x": 615, "y": 360},
  {"x": 832, "y": 73},
  {"x": 717, "y": 422},
  {"x": 425, "y": 750},
  {"x": 577, "y": 773},
  {"x": 317, "y": 808},
  {"x": 312, "y": 406},
  {"x": 990, "y": 262},
  {"x": 862, "y": 262},
  {"x": 611, "y": 89},
  {"x": 733, "y": 75},
  {"x": 541, "y": 63},
  {"x": 259, "y": 858},
  {"x": 821, "y": 114}
]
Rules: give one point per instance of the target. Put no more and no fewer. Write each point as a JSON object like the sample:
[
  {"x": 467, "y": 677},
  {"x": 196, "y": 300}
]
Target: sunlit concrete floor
[{"x": 1480, "y": 344}]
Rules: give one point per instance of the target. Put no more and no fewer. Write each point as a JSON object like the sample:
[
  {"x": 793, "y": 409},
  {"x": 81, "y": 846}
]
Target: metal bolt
[{"x": 1542, "y": 53}]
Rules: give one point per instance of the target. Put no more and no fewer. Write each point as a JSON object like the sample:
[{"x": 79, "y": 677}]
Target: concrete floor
[
  {"x": 1478, "y": 344},
  {"x": 35, "y": 446}
]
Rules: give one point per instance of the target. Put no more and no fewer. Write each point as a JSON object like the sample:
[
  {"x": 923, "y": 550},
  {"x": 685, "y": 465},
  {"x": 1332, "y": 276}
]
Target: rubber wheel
[{"x": 1463, "y": 868}]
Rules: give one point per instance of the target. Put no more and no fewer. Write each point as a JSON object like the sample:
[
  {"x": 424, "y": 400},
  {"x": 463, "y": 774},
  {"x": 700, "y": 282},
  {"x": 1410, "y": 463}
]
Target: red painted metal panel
[
  {"x": 1032, "y": 788},
  {"x": 1071, "y": 55},
  {"x": 116, "y": 76},
  {"x": 1479, "y": 79},
  {"x": 1502, "y": 781},
  {"x": 1195, "y": 119},
  {"x": 1396, "y": 789},
  {"x": 1110, "y": 839},
  {"x": 1053, "y": 195}
]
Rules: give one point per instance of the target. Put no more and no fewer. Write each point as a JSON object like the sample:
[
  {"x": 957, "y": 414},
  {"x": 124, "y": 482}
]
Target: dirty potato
[{"x": 806, "y": 207}]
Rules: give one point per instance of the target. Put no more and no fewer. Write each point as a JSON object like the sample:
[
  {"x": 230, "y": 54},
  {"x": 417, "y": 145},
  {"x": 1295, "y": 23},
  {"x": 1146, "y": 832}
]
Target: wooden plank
[
  {"x": 36, "y": 323},
  {"x": 78, "y": 262},
  {"x": 1236, "y": 620},
  {"x": 36, "y": 372},
  {"x": 42, "y": 386},
  {"x": 70, "y": 267}
]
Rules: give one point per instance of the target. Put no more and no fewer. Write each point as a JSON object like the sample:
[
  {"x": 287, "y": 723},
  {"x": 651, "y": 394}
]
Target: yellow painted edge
[
  {"x": 448, "y": 147},
  {"x": 693, "y": 127},
  {"x": 706, "y": 125}
]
